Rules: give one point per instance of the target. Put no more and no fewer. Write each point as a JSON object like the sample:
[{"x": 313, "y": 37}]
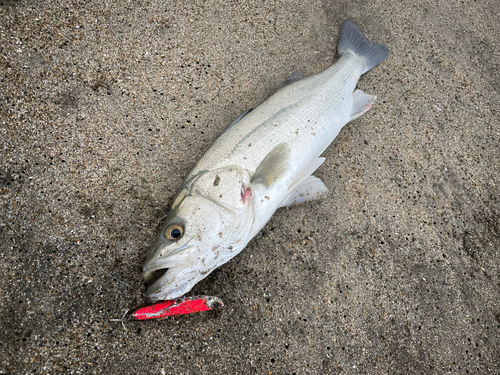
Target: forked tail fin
[{"x": 352, "y": 39}]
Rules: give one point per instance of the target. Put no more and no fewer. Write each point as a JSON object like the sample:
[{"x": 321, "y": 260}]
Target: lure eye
[{"x": 174, "y": 232}]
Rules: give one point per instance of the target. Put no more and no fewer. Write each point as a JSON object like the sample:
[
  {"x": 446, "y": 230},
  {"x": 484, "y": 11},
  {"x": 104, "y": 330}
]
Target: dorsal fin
[
  {"x": 294, "y": 77},
  {"x": 237, "y": 119}
]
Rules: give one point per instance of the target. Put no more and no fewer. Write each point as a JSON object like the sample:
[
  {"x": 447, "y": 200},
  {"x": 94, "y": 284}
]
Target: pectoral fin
[
  {"x": 274, "y": 165},
  {"x": 361, "y": 103}
]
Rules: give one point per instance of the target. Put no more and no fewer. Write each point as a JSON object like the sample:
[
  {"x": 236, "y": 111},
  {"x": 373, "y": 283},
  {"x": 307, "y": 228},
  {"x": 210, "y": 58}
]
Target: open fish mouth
[
  {"x": 154, "y": 280},
  {"x": 152, "y": 271},
  {"x": 161, "y": 272},
  {"x": 158, "y": 284},
  {"x": 156, "y": 275},
  {"x": 154, "y": 294}
]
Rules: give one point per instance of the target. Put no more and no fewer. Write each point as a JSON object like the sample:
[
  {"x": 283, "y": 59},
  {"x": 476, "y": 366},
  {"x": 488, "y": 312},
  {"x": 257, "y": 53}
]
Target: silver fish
[{"x": 264, "y": 160}]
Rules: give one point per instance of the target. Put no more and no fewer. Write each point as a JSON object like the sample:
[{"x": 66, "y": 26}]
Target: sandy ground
[{"x": 106, "y": 106}]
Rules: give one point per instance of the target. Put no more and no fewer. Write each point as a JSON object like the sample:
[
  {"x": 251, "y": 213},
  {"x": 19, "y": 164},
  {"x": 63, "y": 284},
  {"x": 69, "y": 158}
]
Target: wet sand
[{"x": 106, "y": 106}]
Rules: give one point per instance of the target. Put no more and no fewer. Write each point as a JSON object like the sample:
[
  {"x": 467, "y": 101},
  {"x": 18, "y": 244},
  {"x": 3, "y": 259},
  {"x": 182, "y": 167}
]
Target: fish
[{"x": 263, "y": 161}]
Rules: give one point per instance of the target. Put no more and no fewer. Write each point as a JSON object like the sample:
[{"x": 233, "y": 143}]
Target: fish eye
[{"x": 174, "y": 231}]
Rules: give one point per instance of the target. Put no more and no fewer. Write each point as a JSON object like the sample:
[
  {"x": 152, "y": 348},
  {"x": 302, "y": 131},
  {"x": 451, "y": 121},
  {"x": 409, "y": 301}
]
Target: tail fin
[{"x": 351, "y": 38}]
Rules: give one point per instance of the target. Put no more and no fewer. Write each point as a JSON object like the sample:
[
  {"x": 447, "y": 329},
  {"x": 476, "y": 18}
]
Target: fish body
[{"x": 261, "y": 162}]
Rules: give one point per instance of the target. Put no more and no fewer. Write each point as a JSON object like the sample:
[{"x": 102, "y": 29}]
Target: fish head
[{"x": 209, "y": 223}]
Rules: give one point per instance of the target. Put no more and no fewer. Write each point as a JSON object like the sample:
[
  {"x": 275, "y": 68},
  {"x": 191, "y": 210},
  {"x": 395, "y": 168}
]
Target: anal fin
[
  {"x": 309, "y": 189},
  {"x": 361, "y": 103}
]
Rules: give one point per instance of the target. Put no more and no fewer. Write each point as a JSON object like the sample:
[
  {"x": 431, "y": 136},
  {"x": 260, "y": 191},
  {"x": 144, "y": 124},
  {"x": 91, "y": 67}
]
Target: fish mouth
[
  {"x": 157, "y": 275},
  {"x": 160, "y": 275},
  {"x": 154, "y": 269},
  {"x": 155, "y": 295},
  {"x": 153, "y": 280}
]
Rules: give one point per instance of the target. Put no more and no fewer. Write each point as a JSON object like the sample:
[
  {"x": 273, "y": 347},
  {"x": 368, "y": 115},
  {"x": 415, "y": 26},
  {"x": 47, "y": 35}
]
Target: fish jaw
[
  {"x": 162, "y": 289},
  {"x": 176, "y": 269}
]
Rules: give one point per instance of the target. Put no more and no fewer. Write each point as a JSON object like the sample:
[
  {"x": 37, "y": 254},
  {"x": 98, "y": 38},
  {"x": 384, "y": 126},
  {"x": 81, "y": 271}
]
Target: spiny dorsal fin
[
  {"x": 274, "y": 165},
  {"x": 237, "y": 120},
  {"x": 294, "y": 77}
]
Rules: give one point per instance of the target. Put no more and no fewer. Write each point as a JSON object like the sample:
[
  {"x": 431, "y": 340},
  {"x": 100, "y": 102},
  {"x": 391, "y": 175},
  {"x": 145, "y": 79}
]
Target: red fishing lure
[{"x": 178, "y": 306}]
